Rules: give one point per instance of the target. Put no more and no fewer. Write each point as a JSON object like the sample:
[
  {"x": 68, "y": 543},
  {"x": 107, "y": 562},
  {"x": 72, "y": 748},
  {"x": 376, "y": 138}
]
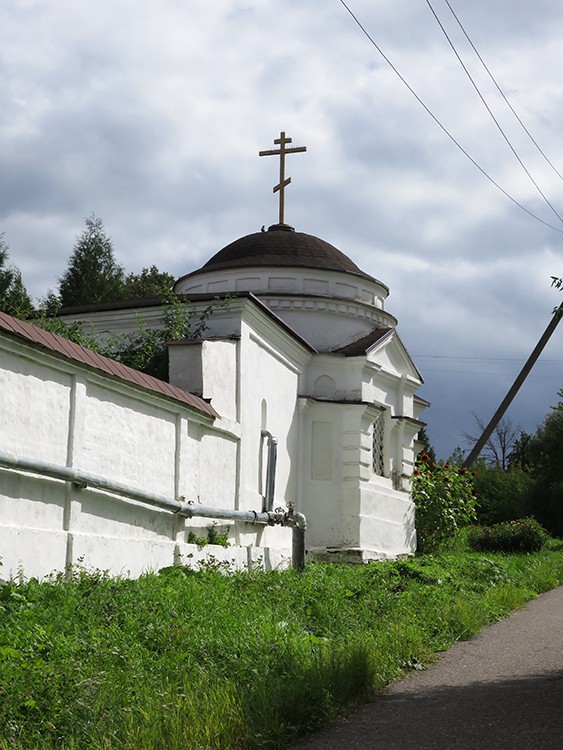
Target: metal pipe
[
  {"x": 299, "y": 525},
  {"x": 298, "y": 548},
  {"x": 270, "y": 470},
  {"x": 82, "y": 479}
]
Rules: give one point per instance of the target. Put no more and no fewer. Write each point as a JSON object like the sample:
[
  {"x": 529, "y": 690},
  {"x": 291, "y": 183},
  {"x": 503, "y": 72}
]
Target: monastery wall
[{"x": 56, "y": 411}]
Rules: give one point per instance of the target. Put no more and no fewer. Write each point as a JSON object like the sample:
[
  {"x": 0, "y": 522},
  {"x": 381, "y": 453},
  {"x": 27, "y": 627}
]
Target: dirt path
[{"x": 502, "y": 689}]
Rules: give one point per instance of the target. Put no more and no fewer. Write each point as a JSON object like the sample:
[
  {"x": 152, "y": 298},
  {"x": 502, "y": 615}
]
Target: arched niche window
[{"x": 324, "y": 387}]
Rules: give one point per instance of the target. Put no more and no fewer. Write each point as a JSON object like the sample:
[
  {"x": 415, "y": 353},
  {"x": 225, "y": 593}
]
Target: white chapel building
[
  {"x": 299, "y": 400},
  {"x": 345, "y": 413}
]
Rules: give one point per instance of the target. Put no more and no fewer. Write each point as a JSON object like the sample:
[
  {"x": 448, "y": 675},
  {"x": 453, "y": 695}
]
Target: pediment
[{"x": 388, "y": 353}]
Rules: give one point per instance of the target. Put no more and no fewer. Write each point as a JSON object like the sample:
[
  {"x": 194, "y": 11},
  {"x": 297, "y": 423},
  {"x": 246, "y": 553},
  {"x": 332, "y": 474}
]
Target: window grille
[{"x": 378, "y": 445}]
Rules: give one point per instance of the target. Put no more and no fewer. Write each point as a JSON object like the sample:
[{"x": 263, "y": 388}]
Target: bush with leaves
[
  {"x": 500, "y": 494},
  {"x": 544, "y": 497},
  {"x": 444, "y": 499},
  {"x": 523, "y": 535},
  {"x": 76, "y": 331},
  {"x": 145, "y": 349}
]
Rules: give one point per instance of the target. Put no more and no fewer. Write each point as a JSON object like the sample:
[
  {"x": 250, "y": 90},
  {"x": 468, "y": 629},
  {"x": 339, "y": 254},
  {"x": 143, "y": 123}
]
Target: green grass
[{"x": 186, "y": 660}]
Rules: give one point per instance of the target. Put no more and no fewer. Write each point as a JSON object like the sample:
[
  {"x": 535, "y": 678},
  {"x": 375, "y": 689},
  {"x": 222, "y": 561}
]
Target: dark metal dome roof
[{"x": 282, "y": 246}]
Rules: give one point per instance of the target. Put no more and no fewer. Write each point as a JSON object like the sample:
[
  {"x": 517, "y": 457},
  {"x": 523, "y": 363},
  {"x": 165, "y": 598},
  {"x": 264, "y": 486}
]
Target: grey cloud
[{"x": 154, "y": 122}]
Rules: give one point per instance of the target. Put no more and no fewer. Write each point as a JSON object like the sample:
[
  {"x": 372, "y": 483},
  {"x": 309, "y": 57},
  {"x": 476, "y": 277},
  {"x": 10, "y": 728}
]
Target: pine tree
[
  {"x": 14, "y": 298},
  {"x": 93, "y": 275}
]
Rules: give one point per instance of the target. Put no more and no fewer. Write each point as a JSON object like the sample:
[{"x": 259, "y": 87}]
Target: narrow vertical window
[{"x": 378, "y": 444}]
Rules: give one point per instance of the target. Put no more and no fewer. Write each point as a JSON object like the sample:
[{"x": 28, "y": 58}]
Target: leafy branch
[{"x": 144, "y": 349}]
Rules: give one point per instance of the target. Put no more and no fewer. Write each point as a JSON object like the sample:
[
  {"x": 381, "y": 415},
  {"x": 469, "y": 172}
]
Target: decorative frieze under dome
[
  {"x": 272, "y": 281},
  {"x": 306, "y": 281}
]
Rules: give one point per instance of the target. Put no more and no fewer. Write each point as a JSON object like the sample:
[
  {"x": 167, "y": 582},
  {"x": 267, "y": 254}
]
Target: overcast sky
[{"x": 151, "y": 116}]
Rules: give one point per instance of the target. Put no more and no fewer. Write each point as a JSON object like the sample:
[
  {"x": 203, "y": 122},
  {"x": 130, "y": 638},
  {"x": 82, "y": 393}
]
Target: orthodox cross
[{"x": 282, "y": 151}]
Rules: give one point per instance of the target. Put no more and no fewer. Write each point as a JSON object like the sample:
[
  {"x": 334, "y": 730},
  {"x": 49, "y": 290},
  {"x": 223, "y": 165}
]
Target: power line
[
  {"x": 489, "y": 110},
  {"x": 483, "y": 359},
  {"x": 501, "y": 92},
  {"x": 442, "y": 127},
  {"x": 488, "y": 373}
]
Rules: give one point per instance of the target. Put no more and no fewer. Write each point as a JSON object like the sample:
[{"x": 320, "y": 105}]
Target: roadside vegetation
[
  {"x": 521, "y": 475},
  {"x": 214, "y": 659},
  {"x": 189, "y": 659}
]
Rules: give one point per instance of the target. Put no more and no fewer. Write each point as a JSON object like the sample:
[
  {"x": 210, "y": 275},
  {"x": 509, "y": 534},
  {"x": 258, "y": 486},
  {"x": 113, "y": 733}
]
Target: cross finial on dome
[{"x": 282, "y": 151}]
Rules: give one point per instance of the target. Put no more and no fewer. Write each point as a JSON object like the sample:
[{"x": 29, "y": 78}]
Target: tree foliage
[
  {"x": 532, "y": 484},
  {"x": 145, "y": 349},
  {"x": 500, "y": 494},
  {"x": 546, "y": 446},
  {"x": 150, "y": 282},
  {"x": 14, "y": 298},
  {"x": 93, "y": 275},
  {"x": 545, "y": 496},
  {"x": 520, "y": 454}
]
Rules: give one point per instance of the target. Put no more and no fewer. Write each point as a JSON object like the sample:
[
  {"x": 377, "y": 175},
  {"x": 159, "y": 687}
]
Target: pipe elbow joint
[
  {"x": 295, "y": 520},
  {"x": 300, "y": 521}
]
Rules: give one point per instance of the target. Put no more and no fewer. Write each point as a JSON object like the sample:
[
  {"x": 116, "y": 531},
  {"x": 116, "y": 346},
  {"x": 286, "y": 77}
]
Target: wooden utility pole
[
  {"x": 498, "y": 415},
  {"x": 281, "y": 152}
]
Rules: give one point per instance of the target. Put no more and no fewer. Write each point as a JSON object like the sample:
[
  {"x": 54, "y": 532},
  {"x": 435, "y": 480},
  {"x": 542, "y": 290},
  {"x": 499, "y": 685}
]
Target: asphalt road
[{"x": 503, "y": 689}]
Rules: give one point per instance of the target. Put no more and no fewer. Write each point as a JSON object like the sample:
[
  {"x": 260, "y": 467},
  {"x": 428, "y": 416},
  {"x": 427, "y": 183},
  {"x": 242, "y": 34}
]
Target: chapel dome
[
  {"x": 281, "y": 246},
  {"x": 307, "y": 282}
]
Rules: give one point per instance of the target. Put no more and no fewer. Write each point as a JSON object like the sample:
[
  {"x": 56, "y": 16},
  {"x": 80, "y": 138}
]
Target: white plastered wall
[
  {"x": 56, "y": 411},
  {"x": 361, "y": 515},
  {"x": 355, "y": 514},
  {"x": 353, "y": 508}
]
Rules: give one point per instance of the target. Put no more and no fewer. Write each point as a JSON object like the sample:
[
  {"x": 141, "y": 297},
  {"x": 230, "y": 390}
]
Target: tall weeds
[{"x": 207, "y": 661}]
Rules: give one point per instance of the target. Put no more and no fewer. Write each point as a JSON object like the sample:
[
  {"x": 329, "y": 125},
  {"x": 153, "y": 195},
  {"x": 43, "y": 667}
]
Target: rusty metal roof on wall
[{"x": 68, "y": 349}]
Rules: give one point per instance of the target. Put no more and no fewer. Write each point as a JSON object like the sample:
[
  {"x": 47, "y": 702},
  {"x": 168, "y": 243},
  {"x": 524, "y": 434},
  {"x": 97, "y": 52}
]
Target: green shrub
[
  {"x": 544, "y": 454},
  {"x": 500, "y": 494},
  {"x": 444, "y": 499},
  {"x": 544, "y": 499},
  {"x": 215, "y": 535},
  {"x": 523, "y": 535}
]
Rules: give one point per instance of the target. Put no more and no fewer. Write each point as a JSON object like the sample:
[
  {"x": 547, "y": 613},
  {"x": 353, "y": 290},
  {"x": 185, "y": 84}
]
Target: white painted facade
[
  {"x": 354, "y": 512},
  {"x": 309, "y": 356},
  {"x": 58, "y": 411}
]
